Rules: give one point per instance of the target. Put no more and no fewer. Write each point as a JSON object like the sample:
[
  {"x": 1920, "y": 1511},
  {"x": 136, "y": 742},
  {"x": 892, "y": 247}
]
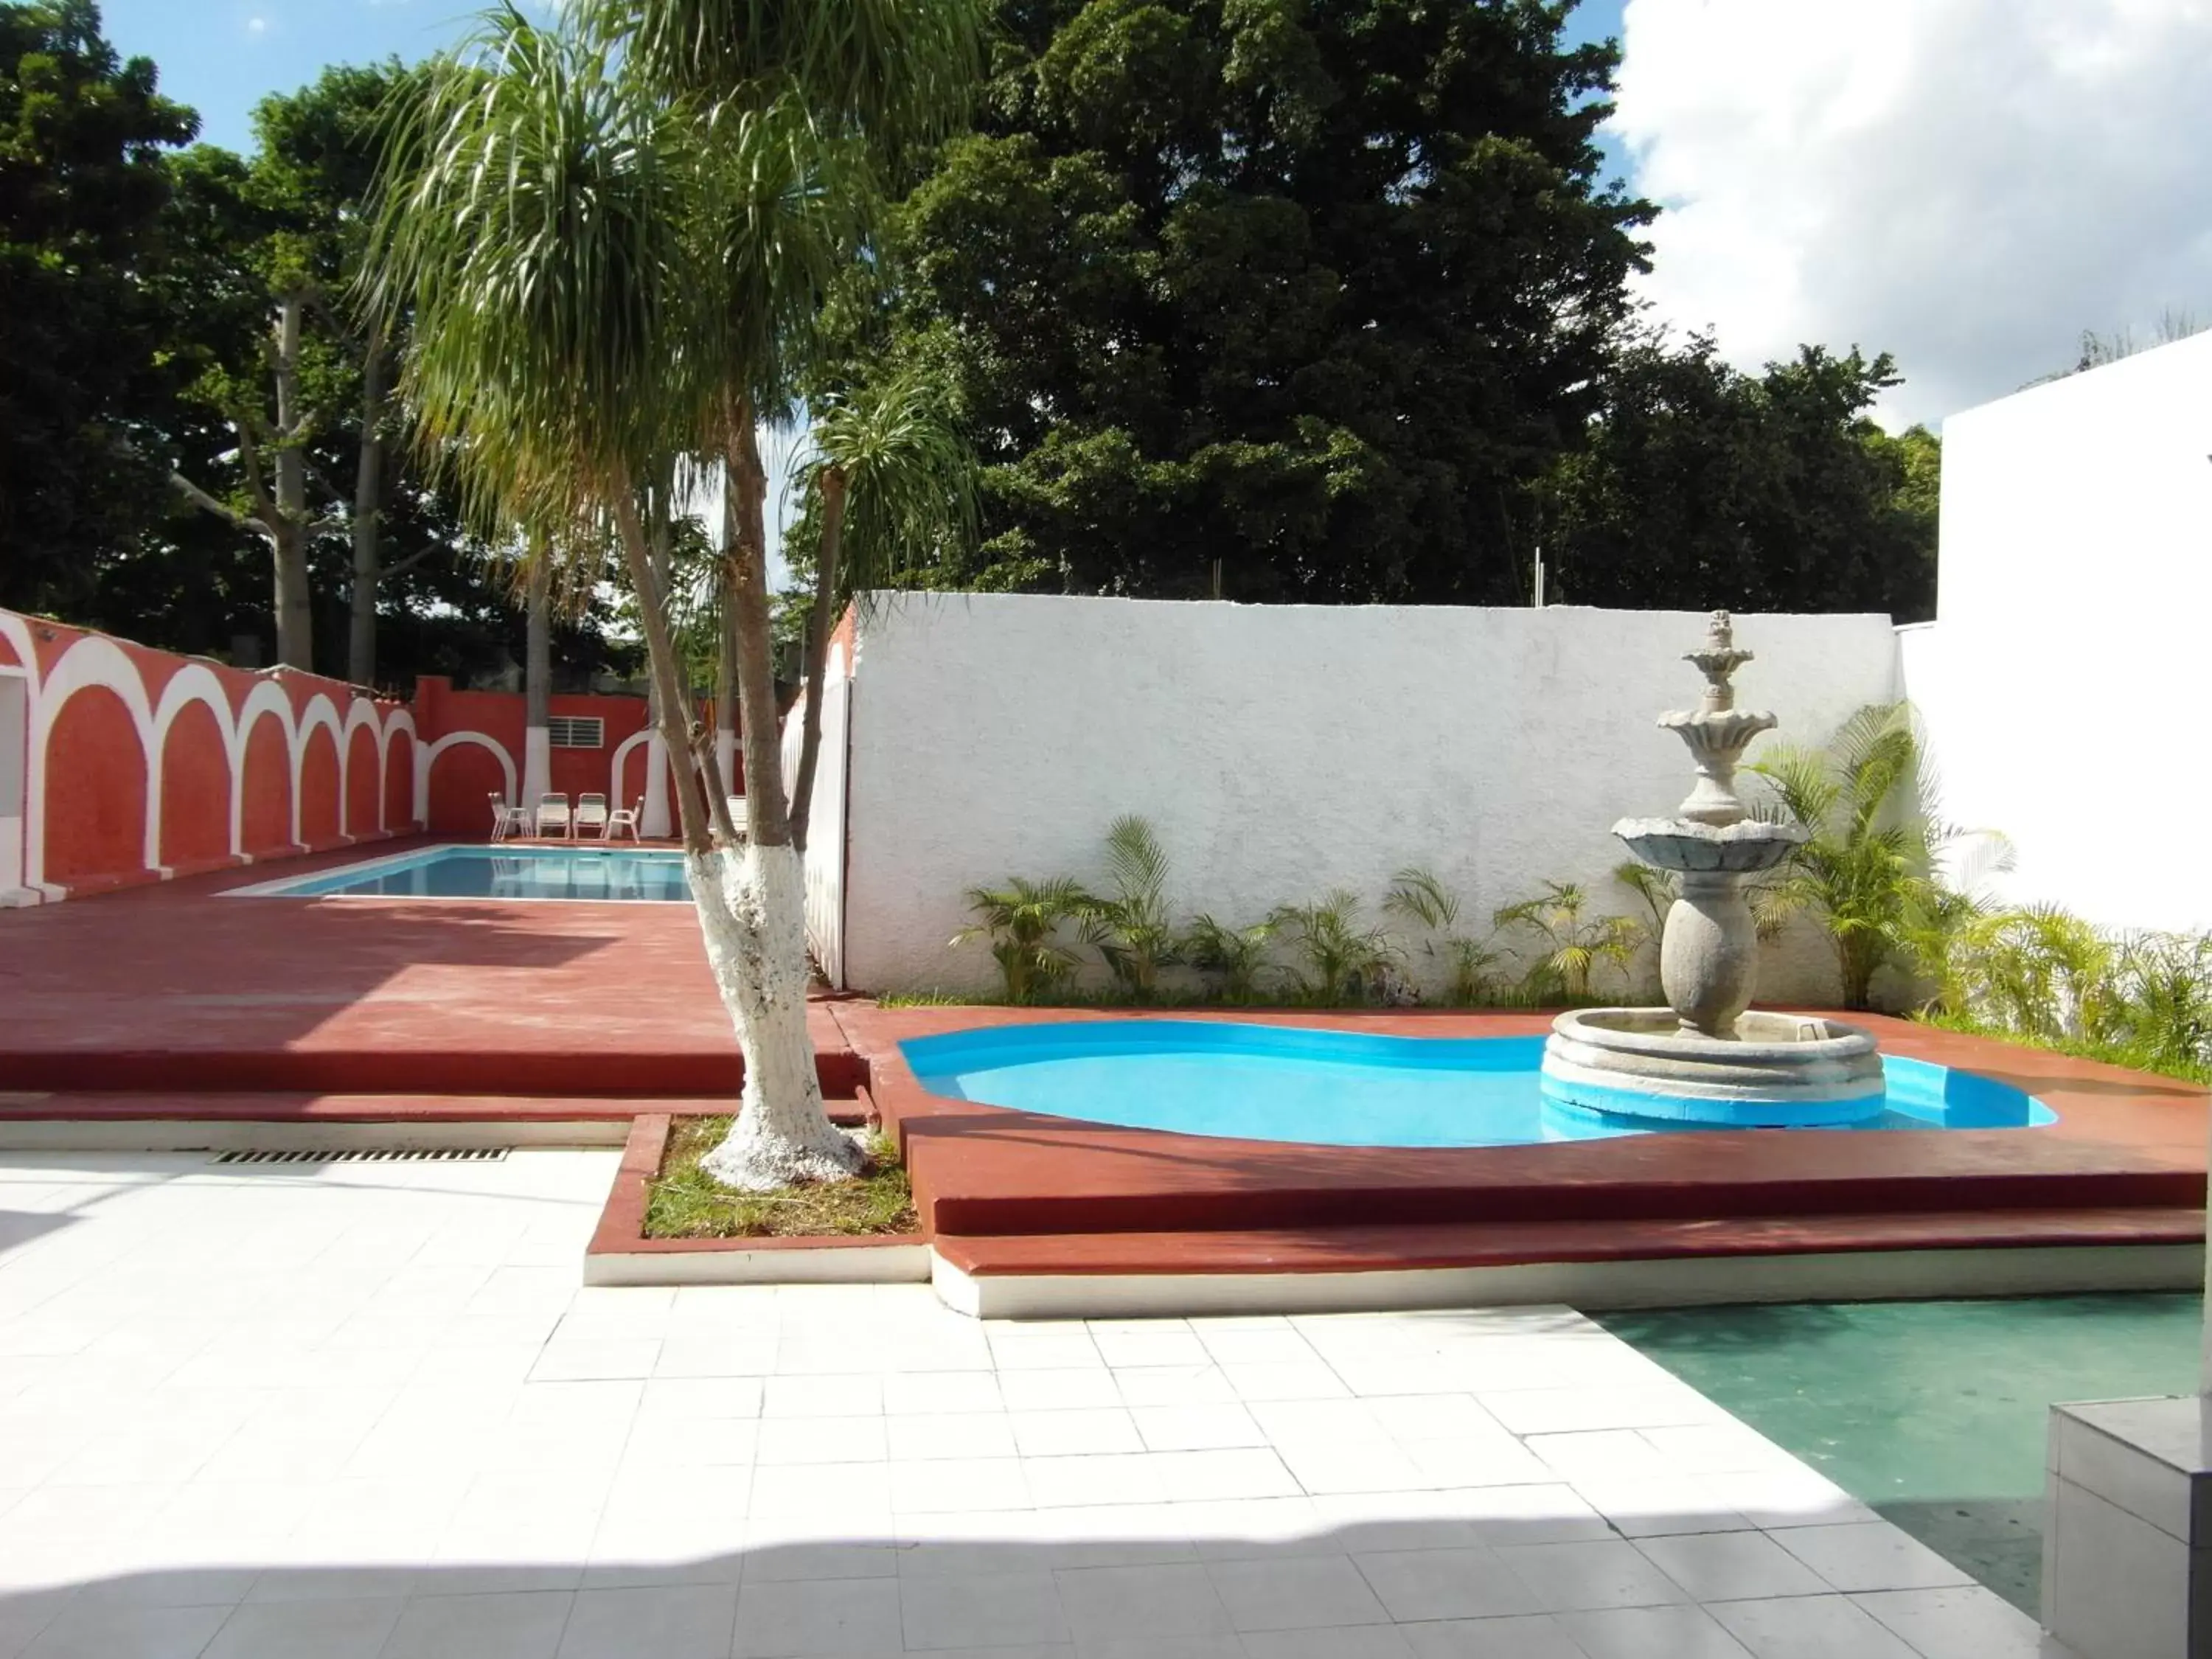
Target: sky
[{"x": 1966, "y": 184}]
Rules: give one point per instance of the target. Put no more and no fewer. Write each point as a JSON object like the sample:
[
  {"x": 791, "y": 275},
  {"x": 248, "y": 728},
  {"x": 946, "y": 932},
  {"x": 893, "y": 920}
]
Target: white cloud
[{"x": 1968, "y": 184}]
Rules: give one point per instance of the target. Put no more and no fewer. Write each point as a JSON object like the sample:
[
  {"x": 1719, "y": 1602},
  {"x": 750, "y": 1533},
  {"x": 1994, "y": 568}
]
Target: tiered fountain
[{"x": 1704, "y": 1059}]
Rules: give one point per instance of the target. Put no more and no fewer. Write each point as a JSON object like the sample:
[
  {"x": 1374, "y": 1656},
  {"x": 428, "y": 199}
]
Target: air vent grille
[{"x": 370, "y": 1155}]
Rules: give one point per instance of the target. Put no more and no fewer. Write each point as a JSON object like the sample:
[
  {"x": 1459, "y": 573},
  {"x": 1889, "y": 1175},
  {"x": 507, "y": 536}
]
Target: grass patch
[
  {"x": 684, "y": 1202},
  {"x": 2111, "y": 1054}
]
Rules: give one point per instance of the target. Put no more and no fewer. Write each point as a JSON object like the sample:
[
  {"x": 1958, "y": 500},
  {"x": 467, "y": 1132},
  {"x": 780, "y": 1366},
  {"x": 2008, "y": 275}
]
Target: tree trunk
[
  {"x": 752, "y": 899},
  {"x": 659, "y": 750},
  {"x": 367, "y": 510},
  {"x": 538, "y": 679},
  {"x": 726, "y": 685},
  {"x": 818, "y": 651},
  {"x": 670, "y": 707},
  {"x": 295, "y": 636}
]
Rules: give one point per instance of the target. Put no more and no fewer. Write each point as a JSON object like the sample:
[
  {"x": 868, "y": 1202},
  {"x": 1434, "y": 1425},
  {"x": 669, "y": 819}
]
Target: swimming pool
[
  {"x": 1331, "y": 1088},
  {"x": 620, "y": 874}
]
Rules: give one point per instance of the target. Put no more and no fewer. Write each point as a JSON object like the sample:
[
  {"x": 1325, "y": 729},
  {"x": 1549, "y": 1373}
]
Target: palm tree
[
  {"x": 612, "y": 236},
  {"x": 1572, "y": 949},
  {"x": 895, "y": 484},
  {"x": 1022, "y": 920},
  {"x": 1869, "y": 867}
]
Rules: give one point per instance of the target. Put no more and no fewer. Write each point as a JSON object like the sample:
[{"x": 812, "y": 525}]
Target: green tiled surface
[{"x": 1931, "y": 1411}]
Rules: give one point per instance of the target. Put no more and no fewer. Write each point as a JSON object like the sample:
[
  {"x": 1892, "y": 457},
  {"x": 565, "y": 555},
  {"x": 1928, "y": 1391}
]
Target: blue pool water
[
  {"x": 501, "y": 873},
  {"x": 1350, "y": 1088}
]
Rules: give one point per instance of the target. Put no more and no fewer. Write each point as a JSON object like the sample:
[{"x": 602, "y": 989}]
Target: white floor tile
[
  {"x": 1465, "y": 1583},
  {"x": 497, "y": 1627},
  {"x": 1536, "y": 1636},
  {"x": 1070, "y": 1433},
  {"x": 1964, "y": 1622},
  {"x": 1570, "y": 1577},
  {"x": 1871, "y": 1556},
  {"x": 692, "y": 1621},
  {"x": 1127, "y": 1604},
  {"x": 1810, "y": 1628},
  {"x": 1651, "y": 1633},
  {"x": 1313, "y": 1592},
  {"x": 811, "y": 1616},
  {"x": 85, "y": 1631},
  {"x": 1731, "y": 1566},
  {"x": 308, "y": 1630},
  {"x": 941, "y": 1610}
]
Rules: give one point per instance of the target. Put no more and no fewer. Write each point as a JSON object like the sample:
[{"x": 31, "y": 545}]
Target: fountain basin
[
  {"x": 1742, "y": 848},
  {"x": 1776, "y": 1071}
]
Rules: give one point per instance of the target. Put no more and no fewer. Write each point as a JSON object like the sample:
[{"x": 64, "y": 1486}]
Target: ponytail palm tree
[
  {"x": 896, "y": 484},
  {"x": 612, "y": 236}
]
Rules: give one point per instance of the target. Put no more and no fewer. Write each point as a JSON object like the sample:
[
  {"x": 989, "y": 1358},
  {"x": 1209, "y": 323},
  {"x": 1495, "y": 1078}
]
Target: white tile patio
[{"x": 367, "y": 1411}]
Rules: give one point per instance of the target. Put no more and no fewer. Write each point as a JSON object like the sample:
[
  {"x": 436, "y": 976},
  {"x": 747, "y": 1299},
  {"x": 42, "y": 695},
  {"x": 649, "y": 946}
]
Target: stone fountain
[{"x": 1704, "y": 1058}]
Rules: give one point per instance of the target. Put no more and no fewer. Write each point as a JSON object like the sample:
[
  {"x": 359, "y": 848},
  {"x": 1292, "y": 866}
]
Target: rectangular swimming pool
[{"x": 622, "y": 875}]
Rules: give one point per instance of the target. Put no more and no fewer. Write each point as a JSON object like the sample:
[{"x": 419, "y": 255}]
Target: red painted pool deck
[
  {"x": 1010, "y": 1191},
  {"x": 176, "y": 990},
  {"x": 176, "y": 1001}
]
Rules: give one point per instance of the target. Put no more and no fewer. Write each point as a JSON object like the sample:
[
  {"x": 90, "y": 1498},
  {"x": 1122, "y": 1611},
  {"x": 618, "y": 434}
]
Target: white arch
[
  {"x": 360, "y": 712},
  {"x": 17, "y": 633},
  {"x": 94, "y": 659},
  {"x": 397, "y": 719},
  {"x": 427, "y": 758},
  {"x": 320, "y": 712},
  {"x": 267, "y": 697},
  {"x": 194, "y": 683},
  {"x": 622, "y": 754}
]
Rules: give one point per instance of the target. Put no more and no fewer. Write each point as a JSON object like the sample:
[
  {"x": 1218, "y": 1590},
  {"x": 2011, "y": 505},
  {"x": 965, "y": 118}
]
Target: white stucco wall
[
  {"x": 2062, "y": 682},
  {"x": 1281, "y": 751}
]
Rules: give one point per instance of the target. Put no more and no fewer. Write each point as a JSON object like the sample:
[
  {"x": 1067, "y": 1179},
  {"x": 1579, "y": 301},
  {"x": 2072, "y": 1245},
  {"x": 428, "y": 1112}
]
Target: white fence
[
  {"x": 825, "y": 824},
  {"x": 1283, "y": 751}
]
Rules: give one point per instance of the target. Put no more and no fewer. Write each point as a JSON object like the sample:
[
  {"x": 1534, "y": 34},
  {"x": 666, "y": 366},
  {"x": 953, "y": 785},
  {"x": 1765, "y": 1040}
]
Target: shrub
[
  {"x": 1571, "y": 949},
  {"x": 1237, "y": 957},
  {"x": 1022, "y": 920},
  {"x": 1867, "y": 868},
  {"x": 1339, "y": 958},
  {"x": 1130, "y": 927},
  {"x": 1417, "y": 896}
]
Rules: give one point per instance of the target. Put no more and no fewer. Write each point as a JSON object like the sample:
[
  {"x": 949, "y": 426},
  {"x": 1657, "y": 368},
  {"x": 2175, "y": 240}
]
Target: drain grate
[{"x": 371, "y": 1155}]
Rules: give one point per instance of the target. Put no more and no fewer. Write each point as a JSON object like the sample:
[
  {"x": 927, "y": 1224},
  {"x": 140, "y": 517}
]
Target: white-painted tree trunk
[
  {"x": 751, "y": 912},
  {"x": 655, "y": 823}
]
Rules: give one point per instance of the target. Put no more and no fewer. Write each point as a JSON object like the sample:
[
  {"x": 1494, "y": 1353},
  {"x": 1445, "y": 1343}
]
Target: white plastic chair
[
  {"x": 621, "y": 818},
  {"x": 591, "y": 820},
  {"x": 507, "y": 820},
  {"x": 553, "y": 816},
  {"x": 738, "y": 815}
]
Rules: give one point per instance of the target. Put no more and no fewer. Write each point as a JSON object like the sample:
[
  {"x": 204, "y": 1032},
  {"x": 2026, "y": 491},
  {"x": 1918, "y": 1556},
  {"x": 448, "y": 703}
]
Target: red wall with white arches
[{"x": 137, "y": 765}]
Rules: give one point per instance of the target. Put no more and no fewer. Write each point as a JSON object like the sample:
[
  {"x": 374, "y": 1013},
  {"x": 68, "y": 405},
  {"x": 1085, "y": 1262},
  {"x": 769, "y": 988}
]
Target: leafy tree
[
  {"x": 1703, "y": 488},
  {"x": 1290, "y": 300},
  {"x": 612, "y": 237},
  {"x": 83, "y": 384},
  {"x": 891, "y": 486}
]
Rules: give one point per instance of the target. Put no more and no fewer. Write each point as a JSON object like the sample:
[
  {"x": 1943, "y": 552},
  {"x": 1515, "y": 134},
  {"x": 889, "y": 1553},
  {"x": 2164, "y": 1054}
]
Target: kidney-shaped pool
[{"x": 1206, "y": 1076}]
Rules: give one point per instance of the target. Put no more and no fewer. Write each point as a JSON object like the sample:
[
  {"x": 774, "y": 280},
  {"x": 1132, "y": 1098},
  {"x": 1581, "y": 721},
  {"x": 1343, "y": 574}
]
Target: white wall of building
[
  {"x": 1283, "y": 751},
  {"x": 2063, "y": 682}
]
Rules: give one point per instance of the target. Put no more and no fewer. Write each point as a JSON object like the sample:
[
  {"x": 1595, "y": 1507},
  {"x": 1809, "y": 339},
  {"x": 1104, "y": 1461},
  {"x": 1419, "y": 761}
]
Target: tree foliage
[
  {"x": 1312, "y": 290},
  {"x": 1704, "y": 488}
]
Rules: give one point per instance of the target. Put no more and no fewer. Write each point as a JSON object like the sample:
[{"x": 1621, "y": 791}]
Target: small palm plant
[
  {"x": 1022, "y": 920},
  {"x": 1340, "y": 958},
  {"x": 1237, "y": 956},
  {"x": 1868, "y": 866},
  {"x": 2161, "y": 1015},
  {"x": 2038, "y": 972},
  {"x": 1417, "y": 896},
  {"x": 1130, "y": 927},
  {"x": 1572, "y": 948}
]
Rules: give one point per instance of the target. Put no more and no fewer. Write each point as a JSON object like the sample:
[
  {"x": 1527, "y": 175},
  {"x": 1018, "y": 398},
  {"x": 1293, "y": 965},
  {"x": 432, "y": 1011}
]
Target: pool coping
[
  {"x": 279, "y": 886},
  {"x": 1029, "y": 1198}
]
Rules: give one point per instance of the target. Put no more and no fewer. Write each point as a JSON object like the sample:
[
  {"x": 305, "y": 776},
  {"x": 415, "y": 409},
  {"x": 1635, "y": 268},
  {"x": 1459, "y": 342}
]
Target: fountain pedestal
[{"x": 1703, "y": 1058}]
